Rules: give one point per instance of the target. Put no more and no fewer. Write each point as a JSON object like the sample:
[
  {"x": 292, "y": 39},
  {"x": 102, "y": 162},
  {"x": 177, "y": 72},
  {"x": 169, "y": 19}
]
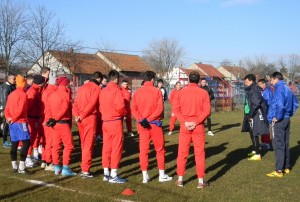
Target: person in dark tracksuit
[
  {"x": 5, "y": 89},
  {"x": 283, "y": 106},
  {"x": 204, "y": 86},
  {"x": 255, "y": 111},
  {"x": 160, "y": 86}
]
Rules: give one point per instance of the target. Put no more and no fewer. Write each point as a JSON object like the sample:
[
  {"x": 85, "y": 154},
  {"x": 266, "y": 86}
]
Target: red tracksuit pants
[
  {"x": 87, "y": 133},
  {"x": 172, "y": 121},
  {"x": 35, "y": 131},
  {"x": 112, "y": 143},
  {"x": 185, "y": 138},
  {"x": 62, "y": 135},
  {"x": 47, "y": 152},
  {"x": 128, "y": 121},
  {"x": 155, "y": 134}
]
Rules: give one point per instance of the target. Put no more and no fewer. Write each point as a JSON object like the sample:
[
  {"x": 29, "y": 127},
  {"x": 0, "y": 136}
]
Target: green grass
[{"x": 232, "y": 177}]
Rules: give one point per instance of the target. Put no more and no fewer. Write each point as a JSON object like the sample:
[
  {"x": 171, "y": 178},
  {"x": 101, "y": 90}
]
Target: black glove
[
  {"x": 145, "y": 123},
  {"x": 51, "y": 122}
]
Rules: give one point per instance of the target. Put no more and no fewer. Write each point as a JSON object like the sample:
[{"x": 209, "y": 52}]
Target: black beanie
[{"x": 38, "y": 79}]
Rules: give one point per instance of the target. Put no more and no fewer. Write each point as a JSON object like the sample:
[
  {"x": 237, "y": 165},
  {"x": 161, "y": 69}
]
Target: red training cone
[{"x": 128, "y": 192}]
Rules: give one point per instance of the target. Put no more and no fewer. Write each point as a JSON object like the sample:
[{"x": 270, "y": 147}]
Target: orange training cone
[{"x": 128, "y": 192}]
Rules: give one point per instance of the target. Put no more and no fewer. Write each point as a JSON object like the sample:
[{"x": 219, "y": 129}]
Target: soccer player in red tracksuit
[
  {"x": 192, "y": 107},
  {"x": 126, "y": 92},
  {"x": 147, "y": 107},
  {"x": 34, "y": 116},
  {"x": 173, "y": 95},
  {"x": 48, "y": 140},
  {"x": 60, "y": 112},
  {"x": 85, "y": 110},
  {"x": 113, "y": 110},
  {"x": 16, "y": 116}
]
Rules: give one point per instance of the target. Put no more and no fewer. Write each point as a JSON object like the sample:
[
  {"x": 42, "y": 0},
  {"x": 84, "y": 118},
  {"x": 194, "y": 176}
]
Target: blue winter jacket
[
  {"x": 267, "y": 95},
  {"x": 284, "y": 104}
]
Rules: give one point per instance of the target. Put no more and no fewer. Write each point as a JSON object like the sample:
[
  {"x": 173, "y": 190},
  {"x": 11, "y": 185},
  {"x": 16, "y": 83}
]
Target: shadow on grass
[
  {"x": 232, "y": 159},
  {"x": 294, "y": 154},
  {"x": 209, "y": 151},
  {"x": 29, "y": 189},
  {"x": 226, "y": 127}
]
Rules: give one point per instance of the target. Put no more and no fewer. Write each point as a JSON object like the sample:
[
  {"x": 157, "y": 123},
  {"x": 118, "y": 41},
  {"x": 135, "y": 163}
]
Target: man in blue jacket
[{"x": 283, "y": 106}]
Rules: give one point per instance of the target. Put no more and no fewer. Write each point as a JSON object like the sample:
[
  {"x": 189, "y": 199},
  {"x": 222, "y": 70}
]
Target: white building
[{"x": 177, "y": 74}]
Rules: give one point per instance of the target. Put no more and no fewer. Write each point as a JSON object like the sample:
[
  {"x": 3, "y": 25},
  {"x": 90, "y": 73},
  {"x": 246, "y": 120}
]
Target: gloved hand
[
  {"x": 51, "y": 122},
  {"x": 145, "y": 123},
  {"x": 52, "y": 77}
]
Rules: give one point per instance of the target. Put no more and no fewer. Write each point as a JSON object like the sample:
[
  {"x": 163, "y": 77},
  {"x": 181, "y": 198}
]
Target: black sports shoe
[{"x": 14, "y": 170}]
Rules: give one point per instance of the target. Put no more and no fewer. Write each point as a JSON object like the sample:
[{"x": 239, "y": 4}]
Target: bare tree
[
  {"x": 225, "y": 63},
  {"x": 260, "y": 66},
  {"x": 294, "y": 66},
  {"x": 164, "y": 55},
  {"x": 282, "y": 65},
  {"x": 44, "y": 33},
  {"x": 12, "y": 19},
  {"x": 69, "y": 56}
]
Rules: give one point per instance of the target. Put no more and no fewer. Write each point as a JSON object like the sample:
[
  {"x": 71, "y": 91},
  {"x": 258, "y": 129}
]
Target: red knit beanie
[{"x": 62, "y": 81}]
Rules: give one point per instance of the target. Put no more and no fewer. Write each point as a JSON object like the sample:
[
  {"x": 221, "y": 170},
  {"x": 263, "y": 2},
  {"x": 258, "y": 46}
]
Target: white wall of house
[
  {"x": 176, "y": 74},
  {"x": 52, "y": 63},
  {"x": 228, "y": 75}
]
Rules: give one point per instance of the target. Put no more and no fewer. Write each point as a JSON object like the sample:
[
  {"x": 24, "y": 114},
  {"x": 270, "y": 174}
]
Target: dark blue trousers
[{"x": 281, "y": 142}]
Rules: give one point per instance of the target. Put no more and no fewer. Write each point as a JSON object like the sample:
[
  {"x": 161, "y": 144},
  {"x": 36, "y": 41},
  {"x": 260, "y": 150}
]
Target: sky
[{"x": 208, "y": 30}]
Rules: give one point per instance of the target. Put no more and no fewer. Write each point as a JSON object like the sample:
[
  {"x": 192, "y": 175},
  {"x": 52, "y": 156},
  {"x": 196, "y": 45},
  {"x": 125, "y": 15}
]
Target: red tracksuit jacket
[
  {"x": 147, "y": 103},
  {"x": 112, "y": 106},
  {"x": 59, "y": 104},
  {"x": 87, "y": 100},
  {"x": 173, "y": 95},
  {"x": 192, "y": 104},
  {"x": 16, "y": 107},
  {"x": 127, "y": 96},
  {"x": 34, "y": 101},
  {"x": 45, "y": 95}
]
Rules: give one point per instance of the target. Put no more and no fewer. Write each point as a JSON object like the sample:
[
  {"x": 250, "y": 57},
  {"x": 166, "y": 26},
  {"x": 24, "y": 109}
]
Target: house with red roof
[
  {"x": 232, "y": 73},
  {"x": 216, "y": 81},
  {"x": 82, "y": 65}
]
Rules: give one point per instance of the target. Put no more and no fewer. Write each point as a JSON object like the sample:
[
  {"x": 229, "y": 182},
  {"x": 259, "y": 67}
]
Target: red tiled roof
[
  {"x": 236, "y": 71},
  {"x": 210, "y": 70},
  {"x": 129, "y": 63},
  {"x": 81, "y": 63},
  {"x": 188, "y": 71}
]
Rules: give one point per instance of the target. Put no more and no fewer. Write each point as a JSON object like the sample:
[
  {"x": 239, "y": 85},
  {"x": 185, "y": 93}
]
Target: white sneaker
[
  {"x": 165, "y": 178},
  {"x": 210, "y": 133},
  {"x": 131, "y": 134},
  {"x": 43, "y": 165},
  {"x": 146, "y": 180},
  {"x": 50, "y": 167},
  {"x": 170, "y": 133},
  {"x": 29, "y": 163},
  {"x": 40, "y": 149}
]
